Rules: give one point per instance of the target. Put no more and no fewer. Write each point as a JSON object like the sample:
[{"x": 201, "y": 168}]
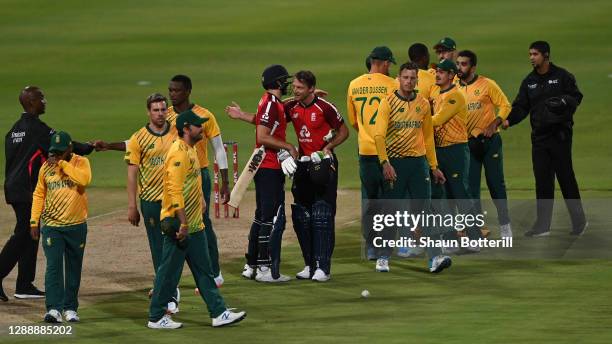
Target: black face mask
[{"x": 284, "y": 86}]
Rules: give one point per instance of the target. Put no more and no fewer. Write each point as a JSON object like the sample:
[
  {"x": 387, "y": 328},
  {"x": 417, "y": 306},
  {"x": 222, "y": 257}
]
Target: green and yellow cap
[
  {"x": 446, "y": 65},
  {"x": 446, "y": 43},
  {"x": 189, "y": 117},
  {"x": 382, "y": 53},
  {"x": 60, "y": 141}
]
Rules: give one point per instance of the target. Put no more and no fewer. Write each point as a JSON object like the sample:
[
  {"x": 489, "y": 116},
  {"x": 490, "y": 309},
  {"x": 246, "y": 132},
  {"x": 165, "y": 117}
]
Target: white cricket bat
[{"x": 248, "y": 173}]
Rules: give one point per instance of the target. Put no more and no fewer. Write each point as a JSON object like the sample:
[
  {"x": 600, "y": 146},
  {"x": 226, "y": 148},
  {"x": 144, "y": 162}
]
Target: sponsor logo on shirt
[
  {"x": 474, "y": 106},
  {"x": 18, "y": 136},
  {"x": 556, "y": 81},
  {"x": 532, "y": 86},
  {"x": 304, "y": 132}
]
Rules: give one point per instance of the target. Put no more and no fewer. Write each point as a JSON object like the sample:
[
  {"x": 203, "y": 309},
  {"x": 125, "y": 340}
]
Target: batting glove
[{"x": 289, "y": 166}]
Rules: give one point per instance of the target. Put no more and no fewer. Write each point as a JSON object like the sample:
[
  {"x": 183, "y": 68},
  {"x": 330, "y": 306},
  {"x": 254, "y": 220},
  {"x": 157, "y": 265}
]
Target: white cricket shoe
[
  {"x": 165, "y": 323},
  {"x": 439, "y": 263},
  {"x": 505, "y": 231},
  {"x": 248, "y": 272},
  {"x": 320, "y": 276},
  {"x": 382, "y": 264},
  {"x": 71, "y": 316},
  {"x": 53, "y": 317},
  {"x": 219, "y": 280},
  {"x": 228, "y": 317},
  {"x": 304, "y": 274},
  {"x": 265, "y": 275}
]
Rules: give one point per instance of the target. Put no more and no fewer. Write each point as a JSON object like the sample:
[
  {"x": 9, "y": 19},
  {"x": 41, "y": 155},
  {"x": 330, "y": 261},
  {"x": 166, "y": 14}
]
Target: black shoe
[
  {"x": 537, "y": 233},
  {"x": 29, "y": 292},
  {"x": 3, "y": 296},
  {"x": 578, "y": 231}
]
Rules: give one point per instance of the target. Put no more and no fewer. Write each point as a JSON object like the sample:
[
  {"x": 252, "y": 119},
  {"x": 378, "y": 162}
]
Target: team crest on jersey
[
  {"x": 452, "y": 101},
  {"x": 304, "y": 132},
  {"x": 418, "y": 109},
  {"x": 177, "y": 164},
  {"x": 477, "y": 92},
  {"x": 150, "y": 146},
  {"x": 295, "y": 115},
  {"x": 313, "y": 117},
  {"x": 401, "y": 110}
]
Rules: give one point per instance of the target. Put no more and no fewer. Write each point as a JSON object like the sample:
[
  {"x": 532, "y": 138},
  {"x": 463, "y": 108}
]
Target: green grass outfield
[
  {"x": 89, "y": 56},
  {"x": 475, "y": 301},
  {"x": 486, "y": 298}
]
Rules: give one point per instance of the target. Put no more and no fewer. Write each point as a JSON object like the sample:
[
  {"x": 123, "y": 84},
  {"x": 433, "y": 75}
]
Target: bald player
[
  {"x": 406, "y": 151},
  {"x": 450, "y": 134},
  {"x": 362, "y": 100},
  {"x": 26, "y": 148},
  {"x": 486, "y": 103}
]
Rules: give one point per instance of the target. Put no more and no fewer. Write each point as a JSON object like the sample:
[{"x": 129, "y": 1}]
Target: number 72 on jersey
[{"x": 374, "y": 101}]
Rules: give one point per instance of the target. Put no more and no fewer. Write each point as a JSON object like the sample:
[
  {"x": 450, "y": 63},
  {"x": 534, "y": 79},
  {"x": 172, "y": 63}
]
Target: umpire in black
[
  {"x": 550, "y": 94},
  {"x": 26, "y": 147}
]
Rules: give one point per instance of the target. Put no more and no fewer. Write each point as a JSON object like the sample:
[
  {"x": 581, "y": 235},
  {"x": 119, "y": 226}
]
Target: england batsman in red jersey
[
  {"x": 319, "y": 128},
  {"x": 263, "y": 254}
]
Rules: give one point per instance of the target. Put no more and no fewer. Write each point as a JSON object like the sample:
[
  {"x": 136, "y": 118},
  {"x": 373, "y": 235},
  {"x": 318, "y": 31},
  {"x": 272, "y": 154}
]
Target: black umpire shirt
[
  {"x": 532, "y": 97},
  {"x": 26, "y": 147}
]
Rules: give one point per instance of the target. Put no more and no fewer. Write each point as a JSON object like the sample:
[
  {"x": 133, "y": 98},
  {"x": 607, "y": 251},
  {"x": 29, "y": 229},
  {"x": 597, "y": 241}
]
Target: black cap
[{"x": 272, "y": 74}]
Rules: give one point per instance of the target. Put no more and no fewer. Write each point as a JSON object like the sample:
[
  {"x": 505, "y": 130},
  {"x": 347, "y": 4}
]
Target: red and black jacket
[{"x": 26, "y": 147}]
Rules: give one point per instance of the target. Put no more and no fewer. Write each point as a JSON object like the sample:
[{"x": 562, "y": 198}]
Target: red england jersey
[
  {"x": 270, "y": 112},
  {"x": 312, "y": 122}
]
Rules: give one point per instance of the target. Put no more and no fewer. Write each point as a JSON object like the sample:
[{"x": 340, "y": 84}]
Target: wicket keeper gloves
[{"x": 287, "y": 162}]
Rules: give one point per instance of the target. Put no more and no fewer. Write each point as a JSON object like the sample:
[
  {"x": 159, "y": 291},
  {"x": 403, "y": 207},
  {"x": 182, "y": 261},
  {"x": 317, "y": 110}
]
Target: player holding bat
[{"x": 263, "y": 254}]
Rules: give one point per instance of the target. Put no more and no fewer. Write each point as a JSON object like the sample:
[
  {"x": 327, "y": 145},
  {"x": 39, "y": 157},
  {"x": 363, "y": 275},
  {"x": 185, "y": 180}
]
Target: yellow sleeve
[
  {"x": 211, "y": 127},
  {"x": 380, "y": 129},
  {"x": 132, "y": 151},
  {"x": 499, "y": 99},
  {"x": 177, "y": 166},
  {"x": 38, "y": 197},
  {"x": 78, "y": 171},
  {"x": 430, "y": 146},
  {"x": 350, "y": 109},
  {"x": 451, "y": 106}
]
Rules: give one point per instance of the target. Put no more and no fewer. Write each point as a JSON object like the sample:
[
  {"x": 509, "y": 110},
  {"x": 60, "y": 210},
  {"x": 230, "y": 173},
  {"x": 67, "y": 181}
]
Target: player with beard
[{"x": 486, "y": 103}]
